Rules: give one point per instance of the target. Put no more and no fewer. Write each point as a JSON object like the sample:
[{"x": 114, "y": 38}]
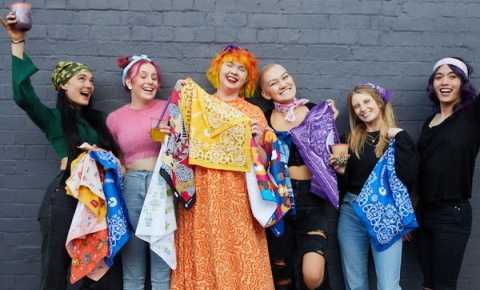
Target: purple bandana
[
  {"x": 383, "y": 92},
  {"x": 313, "y": 139},
  {"x": 289, "y": 108}
]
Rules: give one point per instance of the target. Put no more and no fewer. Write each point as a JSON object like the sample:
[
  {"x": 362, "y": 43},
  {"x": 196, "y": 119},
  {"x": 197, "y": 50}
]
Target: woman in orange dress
[{"x": 219, "y": 243}]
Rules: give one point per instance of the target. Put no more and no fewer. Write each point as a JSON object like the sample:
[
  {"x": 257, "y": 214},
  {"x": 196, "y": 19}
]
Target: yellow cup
[
  {"x": 157, "y": 135},
  {"x": 339, "y": 150}
]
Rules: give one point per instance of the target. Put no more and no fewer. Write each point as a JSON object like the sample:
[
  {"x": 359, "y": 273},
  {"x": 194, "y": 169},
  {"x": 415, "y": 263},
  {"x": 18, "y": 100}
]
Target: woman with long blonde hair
[
  {"x": 359, "y": 128},
  {"x": 372, "y": 125}
]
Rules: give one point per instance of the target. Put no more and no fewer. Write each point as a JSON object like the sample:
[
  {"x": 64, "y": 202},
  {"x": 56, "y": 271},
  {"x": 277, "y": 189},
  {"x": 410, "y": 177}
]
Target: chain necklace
[{"x": 372, "y": 139}]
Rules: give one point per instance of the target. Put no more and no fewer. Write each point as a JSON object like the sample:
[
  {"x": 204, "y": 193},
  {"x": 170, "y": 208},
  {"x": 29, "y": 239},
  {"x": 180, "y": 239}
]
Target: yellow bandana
[
  {"x": 220, "y": 135},
  {"x": 85, "y": 185}
]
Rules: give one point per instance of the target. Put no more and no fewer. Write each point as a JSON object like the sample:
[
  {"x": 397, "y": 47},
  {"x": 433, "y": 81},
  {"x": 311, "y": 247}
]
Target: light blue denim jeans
[
  {"x": 135, "y": 254},
  {"x": 354, "y": 246}
]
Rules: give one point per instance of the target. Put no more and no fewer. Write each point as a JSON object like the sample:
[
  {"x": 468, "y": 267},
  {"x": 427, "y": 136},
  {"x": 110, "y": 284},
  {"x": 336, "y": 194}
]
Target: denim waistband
[
  {"x": 349, "y": 197},
  {"x": 138, "y": 173}
]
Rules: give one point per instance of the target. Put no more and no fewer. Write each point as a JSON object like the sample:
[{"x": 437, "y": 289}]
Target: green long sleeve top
[{"x": 47, "y": 119}]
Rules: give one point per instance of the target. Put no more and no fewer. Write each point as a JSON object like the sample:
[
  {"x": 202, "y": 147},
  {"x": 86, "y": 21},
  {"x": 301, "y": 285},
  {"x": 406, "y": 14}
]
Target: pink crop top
[{"x": 131, "y": 130}]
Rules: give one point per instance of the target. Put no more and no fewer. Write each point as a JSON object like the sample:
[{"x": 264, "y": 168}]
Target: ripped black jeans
[{"x": 305, "y": 232}]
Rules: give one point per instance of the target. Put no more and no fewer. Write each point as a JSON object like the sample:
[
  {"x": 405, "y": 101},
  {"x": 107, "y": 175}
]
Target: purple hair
[{"x": 467, "y": 89}]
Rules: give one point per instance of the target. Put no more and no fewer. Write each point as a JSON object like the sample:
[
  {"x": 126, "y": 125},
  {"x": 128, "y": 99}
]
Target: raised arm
[{"x": 22, "y": 68}]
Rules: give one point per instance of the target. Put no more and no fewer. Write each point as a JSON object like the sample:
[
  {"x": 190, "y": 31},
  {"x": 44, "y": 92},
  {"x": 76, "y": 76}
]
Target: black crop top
[
  {"x": 294, "y": 159},
  {"x": 359, "y": 169}
]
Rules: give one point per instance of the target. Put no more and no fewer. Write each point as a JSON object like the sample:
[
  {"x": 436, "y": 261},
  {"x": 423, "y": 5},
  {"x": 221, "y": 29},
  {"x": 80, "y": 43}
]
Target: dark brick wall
[{"x": 328, "y": 45}]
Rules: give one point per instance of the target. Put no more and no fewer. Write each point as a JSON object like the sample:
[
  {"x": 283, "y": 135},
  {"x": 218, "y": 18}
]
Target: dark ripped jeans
[{"x": 305, "y": 232}]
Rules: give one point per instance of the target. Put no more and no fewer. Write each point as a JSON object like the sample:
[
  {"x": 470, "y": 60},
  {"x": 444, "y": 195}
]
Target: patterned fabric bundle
[
  {"x": 87, "y": 239},
  {"x": 117, "y": 216},
  {"x": 85, "y": 185},
  {"x": 157, "y": 222},
  {"x": 384, "y": 205},
  {"x": 181, "y": 178},
  {"x": 261, "y": 195},
  {"x": 313, "y": 139},
  {"x": 278, "y": 172},
  {"x": 219, "y": 134},
  {"x": 270, "y": 193}
]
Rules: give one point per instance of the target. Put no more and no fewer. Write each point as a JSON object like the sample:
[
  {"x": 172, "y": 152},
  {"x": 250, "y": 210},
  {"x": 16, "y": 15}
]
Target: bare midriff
[
  {"x": 147, "y": 164},
  {"x": 299, "y": 172}
]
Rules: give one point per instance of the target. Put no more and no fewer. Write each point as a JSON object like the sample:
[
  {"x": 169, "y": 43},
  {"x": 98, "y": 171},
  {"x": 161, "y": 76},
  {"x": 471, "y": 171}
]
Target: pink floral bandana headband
[
  {"x": 452, "y": 61},
  {"x": 289, "y": 108}
]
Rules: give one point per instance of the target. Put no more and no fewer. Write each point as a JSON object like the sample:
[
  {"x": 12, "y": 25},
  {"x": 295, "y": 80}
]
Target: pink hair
[{"x": 123, "y": 61}]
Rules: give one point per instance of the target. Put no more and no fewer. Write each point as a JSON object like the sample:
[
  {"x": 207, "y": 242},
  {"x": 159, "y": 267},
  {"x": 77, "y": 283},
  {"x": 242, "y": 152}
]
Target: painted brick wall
[{"x": 328, "y": 45}]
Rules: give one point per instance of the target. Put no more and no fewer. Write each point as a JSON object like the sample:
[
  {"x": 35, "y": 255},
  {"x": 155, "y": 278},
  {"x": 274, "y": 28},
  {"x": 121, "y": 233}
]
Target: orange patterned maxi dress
[{"x": 220, "y": 246}]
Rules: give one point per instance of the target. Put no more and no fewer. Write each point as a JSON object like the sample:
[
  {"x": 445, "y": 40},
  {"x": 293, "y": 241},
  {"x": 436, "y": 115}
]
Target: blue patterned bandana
[
  {"x": 384, "y": 205},
  {"x": 117, "y": 216}
]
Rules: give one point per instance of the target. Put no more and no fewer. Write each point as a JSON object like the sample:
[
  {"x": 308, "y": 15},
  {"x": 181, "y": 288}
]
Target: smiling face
[
  {"x": 278, "y": 85},
  {"x": 144, "y": 85},
  {"x": 447, "y": 85},
  {"x": 79, "y": 88},
  {"x": 365, "y": 108},
  {"x": 232, "y": 76}
]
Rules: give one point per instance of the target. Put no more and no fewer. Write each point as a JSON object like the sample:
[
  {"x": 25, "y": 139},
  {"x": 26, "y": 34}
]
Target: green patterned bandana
[{"x": 64, "y": 71}]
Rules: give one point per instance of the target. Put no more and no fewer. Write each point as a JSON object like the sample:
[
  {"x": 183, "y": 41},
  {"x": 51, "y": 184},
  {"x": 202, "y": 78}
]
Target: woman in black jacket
[{"x": 448, "y": 146}]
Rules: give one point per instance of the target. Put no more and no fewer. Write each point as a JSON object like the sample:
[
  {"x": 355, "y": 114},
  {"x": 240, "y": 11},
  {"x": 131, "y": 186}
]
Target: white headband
[
  {"x": 133, "y": 60},
  {"x": 453, "y": 61}
]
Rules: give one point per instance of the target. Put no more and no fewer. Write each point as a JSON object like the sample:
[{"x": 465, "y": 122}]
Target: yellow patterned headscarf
[{"x": 65, "y": 70}]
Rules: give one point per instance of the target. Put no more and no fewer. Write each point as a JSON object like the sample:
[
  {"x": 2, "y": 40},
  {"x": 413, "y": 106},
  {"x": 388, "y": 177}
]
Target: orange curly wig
[{"x": 240, "y": 55}]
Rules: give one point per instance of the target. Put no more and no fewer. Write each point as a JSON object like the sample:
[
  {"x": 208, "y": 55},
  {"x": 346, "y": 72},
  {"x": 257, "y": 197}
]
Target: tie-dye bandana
[
  {"x": 384, "y": 206},
  {"x": 313, "y": 139},
  {"x": 117, "y": 216}
]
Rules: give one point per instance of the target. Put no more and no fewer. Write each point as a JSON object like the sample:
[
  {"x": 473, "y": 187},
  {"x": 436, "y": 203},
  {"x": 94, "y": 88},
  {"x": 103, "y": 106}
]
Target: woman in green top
[{"x": 71, "y": 123}]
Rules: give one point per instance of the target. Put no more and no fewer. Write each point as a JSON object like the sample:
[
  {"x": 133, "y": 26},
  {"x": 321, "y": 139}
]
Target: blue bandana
[
  {"x": 384, "y": 205},
  {"x": 117, "y": 216}
]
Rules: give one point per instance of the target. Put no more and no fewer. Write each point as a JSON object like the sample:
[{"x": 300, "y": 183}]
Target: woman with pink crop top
[{"x": 130, "y": 126}]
